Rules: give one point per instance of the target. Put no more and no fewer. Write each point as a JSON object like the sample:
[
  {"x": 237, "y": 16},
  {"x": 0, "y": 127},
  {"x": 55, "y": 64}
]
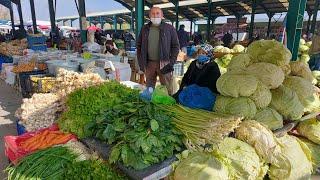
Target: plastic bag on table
[
  {"x": 197, "y": 97},
  {"x": 13, "y": 149},
  {"x": 161, "y": 96}
]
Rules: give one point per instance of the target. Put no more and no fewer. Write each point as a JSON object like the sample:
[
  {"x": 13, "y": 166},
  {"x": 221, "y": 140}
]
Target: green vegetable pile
[
  {"x": 90, "y": 169},
  {"x": 141, "y": 133},
  {"x": 303, "y": 51},
  {"x": 84, "y": 105}
]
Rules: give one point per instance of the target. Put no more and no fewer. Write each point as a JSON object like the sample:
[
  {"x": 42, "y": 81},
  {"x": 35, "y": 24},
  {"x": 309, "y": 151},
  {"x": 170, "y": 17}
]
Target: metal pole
[
  {"x": 269, "y": 24},
  {"x": 139, "y": 5},
  {"x": 132, "y": 21},
  {"x": 52, "y": 15},
  {"x": 294, "y": 25},
  {"x": 120, "y": 26},
  {"x": 308, "y": 24},
  {"x": 20, "y": 15},
  {"x": 177, "y": 13},
  {"x": 115, "y": 23},
  {"x": 83, "y": 20},
  {"x": 209, "y": 19},
  {"x": 12, "y": 19},
  {"x": 314, "y": 19},
  {"x": 33, "y": 14},
  {"x": 238, "y": 21},
  {"x": 71, "y": 24},
  {"x": 191, "y": 23},
  {"x": 253, "y": 9}
]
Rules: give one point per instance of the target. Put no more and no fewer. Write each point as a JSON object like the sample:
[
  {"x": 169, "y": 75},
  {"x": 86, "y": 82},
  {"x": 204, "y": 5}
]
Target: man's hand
[{"x": 167, "y": 69}]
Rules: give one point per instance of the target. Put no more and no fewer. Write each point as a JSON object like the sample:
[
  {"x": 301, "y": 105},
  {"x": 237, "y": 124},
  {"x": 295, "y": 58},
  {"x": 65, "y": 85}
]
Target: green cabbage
[
  {"x": 270, "y": 118},
  {"x": 302, "y": 42},
  {"x": 287, "y": 103},
  {"x": 202, "y": 166},
  {"x": 240, "y": 61},
  {"x": 238, "y": 48},
  {"x": 286, "y": 69},
  {"x": 269, "y": 51},
  {"x": 226, "y": 59},
  {"x": 218, "y": 48},
  {"x": 305, "y": 58},
  {"x": 237, "y": 84},
  {"x": 316, "y": 74},
  {"x": 309, "y": 44},
  {"x": 314, "y": 150},
  {"x": 310, "y": 129},
  {"x": 311, "y": 103},
  {"x": 293, "y": 163},
  {"x": 299, "y": 68},
  {"x": 303, "y": 49},
  {"x": 241, "y": 106},
  {"x": 301, "y": 86},
  {"x": 244, "y": 160},
  {"x": 260, "y": 138},
  {"x": 262, "y": 97},
  {"x": 269, "y": 74}
]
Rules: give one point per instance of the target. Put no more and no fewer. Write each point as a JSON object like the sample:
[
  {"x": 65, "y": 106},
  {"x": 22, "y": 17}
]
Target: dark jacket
[
  {"x": 169, "y": 45},
  {"x": 183, "y": 38},
  {"x": 205, "y": 77}
]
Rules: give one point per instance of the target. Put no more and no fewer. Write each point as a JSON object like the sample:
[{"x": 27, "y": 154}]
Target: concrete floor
[{"x": 10, "y": 100}]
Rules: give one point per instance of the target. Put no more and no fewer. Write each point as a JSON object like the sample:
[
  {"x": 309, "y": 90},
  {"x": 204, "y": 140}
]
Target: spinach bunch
[
  {"x": 140, "y": 132},
  {"x": 84, "y": 105}
]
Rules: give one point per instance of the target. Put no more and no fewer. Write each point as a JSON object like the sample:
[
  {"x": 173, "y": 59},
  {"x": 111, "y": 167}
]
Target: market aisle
[{"x": 10, "y": 100}]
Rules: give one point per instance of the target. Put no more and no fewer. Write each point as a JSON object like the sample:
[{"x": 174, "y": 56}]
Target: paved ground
[{"x": 10, "y": 100}]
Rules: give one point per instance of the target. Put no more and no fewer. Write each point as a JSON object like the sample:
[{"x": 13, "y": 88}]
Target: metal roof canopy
[{"x": 197, "y": 9}]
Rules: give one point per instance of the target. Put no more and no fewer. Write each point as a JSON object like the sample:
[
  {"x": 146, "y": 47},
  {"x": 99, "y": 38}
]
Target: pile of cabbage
[
  {"x": 254, "y": 153},
  {"x": 263, "y": 85},
  {"x": 224, "y": 60},
  {"x": 303, "y": 52},
  {"x": 266, "y": 89}
]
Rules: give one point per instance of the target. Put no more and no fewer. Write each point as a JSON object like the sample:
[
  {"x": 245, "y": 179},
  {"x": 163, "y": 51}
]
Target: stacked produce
[
  {"x": 316, "y": 75},
  {"x": 14, "y": 47},
  {"x": 224, "y": 55},
  {"x": 40, "y": 111},
  {"x": 58, "y": 163},
  {"x": 202, "y": 129},
  {"x": 141, "y": 134},
  {"x": 264, "y": 85},
  {"x": 303, "y": 52},
  {"x": 28, "y": 67},
  {"x": 69, "y": 81},
  {"x": 84, "y": 105}
]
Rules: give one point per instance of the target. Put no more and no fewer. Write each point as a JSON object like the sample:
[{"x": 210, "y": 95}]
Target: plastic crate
[
  {"x": 36, "y": 40},
  {"x": 20, "y": 128},
  {"x": 26, "y": 84},
  {"x": 42, "y": 47}
]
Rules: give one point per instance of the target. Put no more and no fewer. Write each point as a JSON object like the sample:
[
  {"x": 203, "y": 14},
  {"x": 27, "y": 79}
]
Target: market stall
[{"x": 262, "y": 124}]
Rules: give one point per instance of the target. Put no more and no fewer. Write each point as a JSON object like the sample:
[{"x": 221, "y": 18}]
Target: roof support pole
[
  {"x": 33, "y": 14},
  {"x": 139, "y": 13},
  {"x": 71, "y": 22},
  {"x": 191, "y": 23},
  {"x": 120, "y": 26},
  {"x": 83, "y": 20},
  {"x": 209, "y": 20},
  {"x": 20, "y": 15},
  {"x": 308, "y": 23},
  {"x": 12, "y": 19},
  {"x": 253, "y": 11},
  {"x": 132, "y": 21},
  {"x": 115, "y": 23},
  {"x": 52, "y": 15},
  {"x": 314, "y": 18},
  {"x": 294, "y": 25},
  {"x": 270, "y": 15},
  {"x": 101, "y": 22},
  {"x": 238, "y": 22},
  {"x": 176, "y": 6}
]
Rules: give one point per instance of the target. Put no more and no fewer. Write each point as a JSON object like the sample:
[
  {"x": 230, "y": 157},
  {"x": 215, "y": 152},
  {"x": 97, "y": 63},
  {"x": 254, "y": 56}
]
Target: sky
[{"x": 65, "y": 8}]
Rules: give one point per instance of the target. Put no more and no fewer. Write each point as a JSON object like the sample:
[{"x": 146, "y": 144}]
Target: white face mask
[{"x": 156, "y": 21}]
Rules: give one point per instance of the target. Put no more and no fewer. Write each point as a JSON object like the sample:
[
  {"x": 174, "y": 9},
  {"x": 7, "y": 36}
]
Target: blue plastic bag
[
  {"x": 146, "y": 94},
  {"x": 197, "y": 97}
]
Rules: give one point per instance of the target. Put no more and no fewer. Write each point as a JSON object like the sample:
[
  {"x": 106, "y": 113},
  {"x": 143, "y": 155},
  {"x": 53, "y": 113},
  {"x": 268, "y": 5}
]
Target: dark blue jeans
[{"x": 314, "y": 62}]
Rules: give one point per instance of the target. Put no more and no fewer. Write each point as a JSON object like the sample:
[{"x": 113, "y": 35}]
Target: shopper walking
[
  {"x": 157, "y": 50},
  {"x": 183, "y": 39}
]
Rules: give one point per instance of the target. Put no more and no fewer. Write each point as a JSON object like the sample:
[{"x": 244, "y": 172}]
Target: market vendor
[
  {"x": 111, "y": 46},
  {"x": 203, "y": 72}
]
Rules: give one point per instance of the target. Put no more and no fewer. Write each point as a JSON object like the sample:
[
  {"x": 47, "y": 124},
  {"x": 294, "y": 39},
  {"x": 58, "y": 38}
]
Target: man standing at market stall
[{"x": 157, "y": 50}]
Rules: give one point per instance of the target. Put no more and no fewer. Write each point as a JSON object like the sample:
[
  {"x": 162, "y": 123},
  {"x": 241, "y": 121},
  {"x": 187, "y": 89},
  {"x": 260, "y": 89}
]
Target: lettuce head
[
  {"x": 270, "y": 118},
  {"x": 262, "y": 96},
  {"x": 238, "y": 48},
  {"x": 310, "y": 129},
  {"x": 240, "y": 61},
  {"x": 314, "y": 150}
]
